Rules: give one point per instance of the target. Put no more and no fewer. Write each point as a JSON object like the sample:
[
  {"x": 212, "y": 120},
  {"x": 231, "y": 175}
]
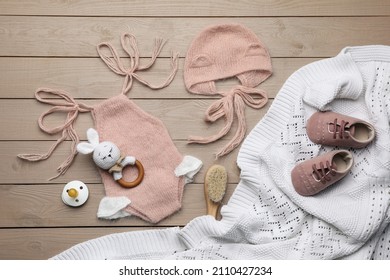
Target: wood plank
[
  {"x": 41, "y": 206},
  {"x": 195, "y": 8},
  {"x": 90, "y": 78},
  {"x": 285, "y": 36},
  {"x": 41, "y": 244},
  {"x": 19, "y": 118},
  {"x": 17, "y": 171}
]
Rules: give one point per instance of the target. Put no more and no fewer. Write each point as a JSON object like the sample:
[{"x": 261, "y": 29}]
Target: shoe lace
[
  {"x": 323, "y": 173},
  {"x": 339, "y": 129}
]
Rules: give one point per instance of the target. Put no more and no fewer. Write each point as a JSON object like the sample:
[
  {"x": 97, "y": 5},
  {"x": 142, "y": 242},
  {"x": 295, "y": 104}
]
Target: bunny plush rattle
[{"x": 107, "y": 156}]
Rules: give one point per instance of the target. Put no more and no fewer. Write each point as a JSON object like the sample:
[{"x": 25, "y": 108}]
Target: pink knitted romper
[{"x": 136, "y": 133}]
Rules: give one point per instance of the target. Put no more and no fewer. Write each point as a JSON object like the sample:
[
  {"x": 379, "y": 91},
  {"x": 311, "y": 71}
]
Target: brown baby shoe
[
  {"x": 333, "y": 129},
  {"x": 316, "y": 174}
]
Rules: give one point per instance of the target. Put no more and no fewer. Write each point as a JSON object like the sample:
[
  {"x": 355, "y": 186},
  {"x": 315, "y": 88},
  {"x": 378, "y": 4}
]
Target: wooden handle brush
[{"x": 215, "y": 184}]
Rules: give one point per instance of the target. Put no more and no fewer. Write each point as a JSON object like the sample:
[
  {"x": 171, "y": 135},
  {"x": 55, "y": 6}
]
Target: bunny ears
[{"x": 93, "y": 139}]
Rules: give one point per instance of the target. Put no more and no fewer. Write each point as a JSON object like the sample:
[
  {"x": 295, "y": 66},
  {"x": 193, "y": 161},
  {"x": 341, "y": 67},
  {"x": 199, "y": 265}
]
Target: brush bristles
[{"x": 216, "y": 178}]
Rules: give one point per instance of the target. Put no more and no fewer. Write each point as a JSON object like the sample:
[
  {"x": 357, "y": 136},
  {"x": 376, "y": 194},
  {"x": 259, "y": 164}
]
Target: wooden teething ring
[{"x": 137, "y": 181}]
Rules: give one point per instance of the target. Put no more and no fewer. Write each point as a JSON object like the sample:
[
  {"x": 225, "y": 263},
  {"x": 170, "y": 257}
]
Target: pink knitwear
[
  {"x": 224, "y": 51},
  {"x": 136, "y": 133}
]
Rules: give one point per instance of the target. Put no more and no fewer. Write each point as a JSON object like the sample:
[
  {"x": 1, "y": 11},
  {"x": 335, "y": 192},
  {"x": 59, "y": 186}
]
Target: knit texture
[
  {"x": 224, "y": 51},
  {"x": 265, "y": 218},
  {"x": 121, "y": 121}
]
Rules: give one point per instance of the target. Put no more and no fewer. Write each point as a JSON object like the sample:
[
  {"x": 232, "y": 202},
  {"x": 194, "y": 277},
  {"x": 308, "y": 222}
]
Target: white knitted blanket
[{"x": 265, "y": 218}]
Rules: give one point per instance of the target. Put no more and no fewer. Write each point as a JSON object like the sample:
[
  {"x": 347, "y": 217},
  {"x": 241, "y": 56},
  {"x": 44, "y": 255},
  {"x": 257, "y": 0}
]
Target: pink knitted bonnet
[{"x": 224, "y": 51}]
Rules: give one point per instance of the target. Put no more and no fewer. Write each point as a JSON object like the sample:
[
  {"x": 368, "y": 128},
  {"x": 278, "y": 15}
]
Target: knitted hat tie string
[
  {"x": 65, "y": 104},
  {"x": 232, "y": 102},
  {"x": 129, "y": 45}
]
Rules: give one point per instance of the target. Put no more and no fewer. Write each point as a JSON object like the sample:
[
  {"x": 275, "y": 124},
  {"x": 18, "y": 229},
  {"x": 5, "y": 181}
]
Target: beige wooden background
[{"x": 52, "y": 43}]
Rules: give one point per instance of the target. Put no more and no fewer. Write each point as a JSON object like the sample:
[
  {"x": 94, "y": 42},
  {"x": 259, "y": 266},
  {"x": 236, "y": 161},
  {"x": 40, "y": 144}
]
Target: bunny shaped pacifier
[{"x": 107, "y": 156}]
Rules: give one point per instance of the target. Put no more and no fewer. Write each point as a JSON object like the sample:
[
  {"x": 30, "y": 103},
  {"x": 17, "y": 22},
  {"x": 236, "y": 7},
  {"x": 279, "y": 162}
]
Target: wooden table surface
[{"x": 52, "y": 43}]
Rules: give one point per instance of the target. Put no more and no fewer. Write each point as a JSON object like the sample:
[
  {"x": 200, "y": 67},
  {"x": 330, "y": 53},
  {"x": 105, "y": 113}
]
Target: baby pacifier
[{"x": 75, "y": 193}]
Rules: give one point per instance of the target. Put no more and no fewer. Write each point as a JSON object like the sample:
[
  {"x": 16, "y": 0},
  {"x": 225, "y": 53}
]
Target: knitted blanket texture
[{"x": 265, "y": 218}]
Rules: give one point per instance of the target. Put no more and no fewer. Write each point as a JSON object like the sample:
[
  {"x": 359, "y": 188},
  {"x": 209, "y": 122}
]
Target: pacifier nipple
[{"x": 75, "y": 193}]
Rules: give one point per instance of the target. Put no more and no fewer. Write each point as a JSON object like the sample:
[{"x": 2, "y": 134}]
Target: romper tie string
[
  {"x": 65, "y": 104},
  {"x": 232, "y": 103},
  {"x": 68, "y": 105},
  {"x": 129, "y": 45}
]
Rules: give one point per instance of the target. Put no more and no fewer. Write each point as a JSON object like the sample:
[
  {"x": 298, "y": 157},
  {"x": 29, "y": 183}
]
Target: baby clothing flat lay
[
  {"x": 266, "y": 218},
  {"x": 314, "y": 172}
]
